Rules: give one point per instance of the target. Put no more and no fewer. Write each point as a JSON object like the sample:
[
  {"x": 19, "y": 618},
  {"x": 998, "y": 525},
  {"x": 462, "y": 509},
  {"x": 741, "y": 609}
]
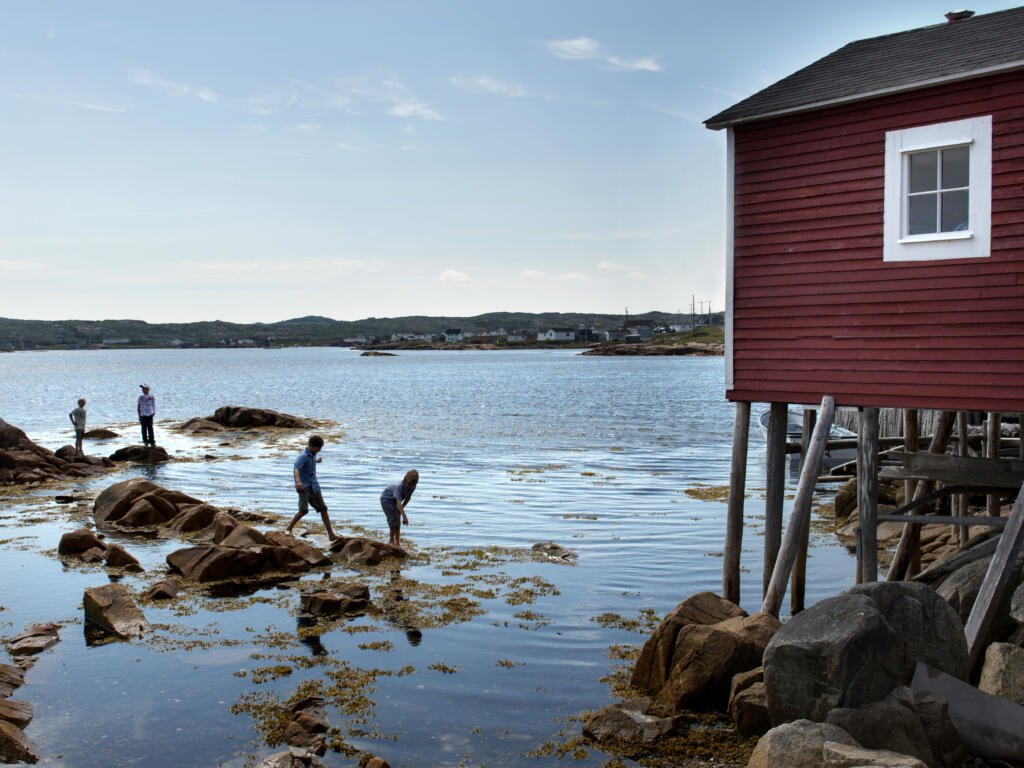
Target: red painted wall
[{"x": 815, "y": 309}]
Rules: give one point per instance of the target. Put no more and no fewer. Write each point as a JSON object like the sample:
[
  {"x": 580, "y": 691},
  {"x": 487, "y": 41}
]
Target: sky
[{"x": 257, "y": 161}]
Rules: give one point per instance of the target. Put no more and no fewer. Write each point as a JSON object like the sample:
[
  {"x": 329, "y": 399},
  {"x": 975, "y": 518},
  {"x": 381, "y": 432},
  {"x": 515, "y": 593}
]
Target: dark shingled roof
[{"x": 901, "y": 61}]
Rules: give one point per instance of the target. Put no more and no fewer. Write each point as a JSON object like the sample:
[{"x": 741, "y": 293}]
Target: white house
[{"x": 557, "y": 334}]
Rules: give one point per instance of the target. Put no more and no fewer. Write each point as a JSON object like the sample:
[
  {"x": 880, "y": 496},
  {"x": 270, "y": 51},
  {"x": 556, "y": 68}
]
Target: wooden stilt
[
  {"x": 997, "y": 579},
  {"x": 911, "y": 537},
  {"x": 1020, "y": 436},
  {"x": 800, "y": 516},
  {"x": 798, "y": 582},
  {"x": 867, "y": 494},
  {"x": 911, "y": 434},
  {"x": 961, "y": 500},
  {"x": 734, "y": 516},
  {"x": 992, "y": 434},
  {"x": 775, "y": 489}
]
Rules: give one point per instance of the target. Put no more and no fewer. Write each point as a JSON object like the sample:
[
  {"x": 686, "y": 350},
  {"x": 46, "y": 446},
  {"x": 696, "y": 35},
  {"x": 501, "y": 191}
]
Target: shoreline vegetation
[{"x": 652, "y": 332}]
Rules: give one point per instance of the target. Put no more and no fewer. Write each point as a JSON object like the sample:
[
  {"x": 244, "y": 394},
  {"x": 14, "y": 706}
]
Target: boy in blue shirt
[{"x": 307, "y": 487}]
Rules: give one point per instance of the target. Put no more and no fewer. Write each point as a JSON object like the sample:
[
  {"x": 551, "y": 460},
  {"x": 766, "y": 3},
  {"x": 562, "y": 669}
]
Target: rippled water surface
[{"x": 482, "y": 654}]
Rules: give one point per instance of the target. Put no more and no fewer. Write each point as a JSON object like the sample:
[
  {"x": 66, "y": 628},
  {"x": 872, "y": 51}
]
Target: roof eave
[{"x": 968, "y": 75}]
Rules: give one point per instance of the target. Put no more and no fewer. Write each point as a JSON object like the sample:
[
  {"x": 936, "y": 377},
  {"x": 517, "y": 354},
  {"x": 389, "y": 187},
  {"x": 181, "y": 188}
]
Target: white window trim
[{"x": 975, "y": 132}]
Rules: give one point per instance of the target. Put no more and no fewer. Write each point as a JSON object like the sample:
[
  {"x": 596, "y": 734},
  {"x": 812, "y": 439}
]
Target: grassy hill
[{"x": 299, "y": 331}]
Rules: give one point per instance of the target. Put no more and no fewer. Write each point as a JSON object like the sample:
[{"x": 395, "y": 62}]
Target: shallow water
[{"x": 512, "y": 447}]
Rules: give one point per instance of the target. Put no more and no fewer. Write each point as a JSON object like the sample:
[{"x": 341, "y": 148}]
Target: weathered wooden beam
[
  {"x": 800, "y": 516},
  {"x": 734, "y": 515},
  {"x": 910, "y": 541},
  {"x": 867, "y": 495},
  {"x": 996, "y": 581},
  {"x": 775, "y": 489},
  {"x": 962, "y": 534},
  {"x": 993, "y": 430},
  {"x": 969, "y": 471},
  {"x": 805, "y": 436},
  {"x": 982, "y": 520}
]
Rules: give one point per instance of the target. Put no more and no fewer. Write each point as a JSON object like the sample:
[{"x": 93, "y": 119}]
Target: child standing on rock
[
  {"x": 393, "y": 501},
  {"x": 77, "y": 417}
]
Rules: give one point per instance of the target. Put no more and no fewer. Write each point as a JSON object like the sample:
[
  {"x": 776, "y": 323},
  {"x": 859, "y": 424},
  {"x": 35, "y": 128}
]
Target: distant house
[
  {"x": 117, "y": 340},
  {"x": 452, "y": 334},
  {"x": 587, "y": 335},
  {"x": 681, "y": 327},
  {"x": 518, "y": 335},
  {"x": 557, "y": 334},
  {"x": 615, "y": 334},
  {"x": 643, "y": 331}
]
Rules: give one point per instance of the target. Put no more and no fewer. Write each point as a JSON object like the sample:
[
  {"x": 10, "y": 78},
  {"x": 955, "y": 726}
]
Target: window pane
[
  {"x": 924, "y": 171},
  {"x": 955, "y": 211},
  {"x": 922, "y": 214},
  {"x": 955, "y": 167}
]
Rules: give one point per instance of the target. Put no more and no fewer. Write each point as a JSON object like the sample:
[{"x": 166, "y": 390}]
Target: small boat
[{"x": 834, "y": 455}]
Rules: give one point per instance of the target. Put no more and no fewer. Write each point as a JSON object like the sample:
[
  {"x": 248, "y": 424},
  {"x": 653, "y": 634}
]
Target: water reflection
[{"x": 393, "y": 612}]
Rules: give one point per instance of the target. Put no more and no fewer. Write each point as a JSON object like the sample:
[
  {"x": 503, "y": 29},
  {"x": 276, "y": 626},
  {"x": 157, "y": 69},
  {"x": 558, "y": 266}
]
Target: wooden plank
[
  {"x": 734, "y": 515},
  {"x": 911, "y": 436},
  {"x": 775, "y": 489},
  {"x": 962, "y": 533},
  {"x": 867, "y": 495},
  {"x": 800, "y": 516},
  {"x": 982, "y": 520},
  {"x": 996, "y": 582},
  {"x": 969, "y": 471}
]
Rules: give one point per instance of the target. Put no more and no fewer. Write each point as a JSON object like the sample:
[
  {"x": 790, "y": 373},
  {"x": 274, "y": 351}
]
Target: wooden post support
[
  {"x": 961, "y": 500},
  {"x": 800, "y": 516},
  {"x": 775, "y": 489},
  {"x": 992, "y": 434},
  {"x": 867, "y": 494},
  {"x": 911, "y": 537},
  {"x": 805, "y": 435},
  {"x": 911, "y": 435},
  {"x": 997, "y": 579},
  {"x": 734, "y": 516},
  {"x": 1020, "y": 436}
]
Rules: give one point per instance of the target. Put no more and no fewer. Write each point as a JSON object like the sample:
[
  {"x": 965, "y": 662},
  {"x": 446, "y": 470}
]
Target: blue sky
[{"x": 254, "y": 161}]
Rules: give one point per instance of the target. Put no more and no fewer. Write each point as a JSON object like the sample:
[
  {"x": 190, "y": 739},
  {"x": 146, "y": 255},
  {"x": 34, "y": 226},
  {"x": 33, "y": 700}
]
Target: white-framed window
[{"x": 938, "y": 191}]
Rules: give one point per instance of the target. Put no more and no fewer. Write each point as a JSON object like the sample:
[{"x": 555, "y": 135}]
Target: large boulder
[
  {"x": 360, "y": 550},
  {"x": 148, "y": 509},
  {"x": 797, "y": 745},
  {"x": 112, "y": 608},
  {"x": 117, "y": 556},
  {"x": 834, "y": 755},
  {"x": 114, "y": 501},
  {"x": 199, "y": 426},
  {"x": 99, "y": 434},
  {"x": 79, "y": 541},
  {"x": 622, "y": 723},
  {"x": 141, "y": 454},
  {"x": 17, "y": 713},
  {"x": 891, "y": 723},
  {"x": 706, "y": 657},
  {"x": 855, "y": 648},
  {"x": 652, "y": 667},
  {"x": 166, "y": 589},
  {"x": 241, "y": 417},
  {"x": 1003, "y": 672},
  {"x": 313, "y": 556},
  {"x": 193, "y": 517},
  {"x": 212, "y": 562}
]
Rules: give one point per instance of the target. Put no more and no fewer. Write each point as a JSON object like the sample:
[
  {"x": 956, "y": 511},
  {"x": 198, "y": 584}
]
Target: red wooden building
[{"x": 875, "y": 230}]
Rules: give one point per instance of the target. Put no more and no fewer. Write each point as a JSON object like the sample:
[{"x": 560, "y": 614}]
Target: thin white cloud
[
  {"x": 589, "y": 49},
  {"x": 531, "y": 274},
  {"x": 415, "y": 109},
  {"x": 536, "y": 274},
  {"x": 608, "y": 266},
  {"x": 680, "y": 114},
  {"x": 572, "y": 276},
  {"x": 453, "y": 276},
  {"x": 308, "y": 127},
  {"x": 346, "y": 147},
  {"x": 578, "y": 48},
  {"x": 484, "y": 84},
  {"x": 151, "y": 79},
  {"x": 409, "y": 148},
  {"x": 313, "y": 266}
]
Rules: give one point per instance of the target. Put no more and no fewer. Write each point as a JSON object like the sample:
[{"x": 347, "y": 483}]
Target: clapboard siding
[{"x": 815, "y": 309}]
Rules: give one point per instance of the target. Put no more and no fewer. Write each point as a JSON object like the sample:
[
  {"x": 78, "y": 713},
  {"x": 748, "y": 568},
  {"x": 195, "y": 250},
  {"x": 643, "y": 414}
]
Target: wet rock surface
[
  {"x": 241, "y": 417},
  {"x": 166, "y": 589},
  {"x": 556, "y": 553},
  {"x": 79, "y": 541},
  {"x": 628, "y": 724},
  {"x": 141, "y": 454},
  {"x": 798, "y": 744},
  {"x": 294, "y": 757},
  {"x": 15, "y": 746},
  {"x": 112, "y": 608},
  {"x": 360, "y": 550},
  {"x": 23, "y": 461},
  {"x": 25, "y": 646}
]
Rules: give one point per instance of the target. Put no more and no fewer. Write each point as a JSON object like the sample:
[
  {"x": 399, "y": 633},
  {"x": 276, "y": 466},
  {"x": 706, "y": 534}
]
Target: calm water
[{"x": 512, "y": 448}]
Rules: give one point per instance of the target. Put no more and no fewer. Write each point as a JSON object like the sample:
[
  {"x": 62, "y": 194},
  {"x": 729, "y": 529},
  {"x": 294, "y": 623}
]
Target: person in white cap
[{"x": 147, "y": 410}]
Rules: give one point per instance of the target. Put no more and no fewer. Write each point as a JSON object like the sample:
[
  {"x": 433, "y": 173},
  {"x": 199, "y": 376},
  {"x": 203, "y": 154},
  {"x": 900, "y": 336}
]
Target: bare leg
[{"x": 327, "y": 525}]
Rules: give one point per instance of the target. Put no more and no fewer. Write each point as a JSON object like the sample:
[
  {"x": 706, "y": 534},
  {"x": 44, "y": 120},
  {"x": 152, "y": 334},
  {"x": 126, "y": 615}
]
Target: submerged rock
[
  {"x": 99, "y": 434},
  {"x": 167, "y": 589},
  {"x": 308, "y": 724},
  {"x": 549, "y": 550},
  {"x": 24, "y": 647},
  {"x": 118, "y": 557},
  {"x": 112, "y": 608},
  {"x": 620, "y": 722}
]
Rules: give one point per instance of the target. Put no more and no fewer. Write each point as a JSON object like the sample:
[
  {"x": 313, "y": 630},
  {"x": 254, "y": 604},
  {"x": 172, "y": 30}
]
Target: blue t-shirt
[
  {"x": 306, "y": 464},
  {"x": 395, "y": 491}
]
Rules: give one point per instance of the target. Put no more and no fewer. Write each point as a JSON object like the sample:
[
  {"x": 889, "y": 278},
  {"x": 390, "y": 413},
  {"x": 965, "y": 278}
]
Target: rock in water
[
  {"x": 15, "y": 746},
  {"x": 141, "y": 454},
  {"x": 617, "y": 721},
  {"x": 112, "y": 608},
  {"x": 549, "y": 550},
  {"x": 77, "y": 542},
  {"x": 242, "y": 417}
]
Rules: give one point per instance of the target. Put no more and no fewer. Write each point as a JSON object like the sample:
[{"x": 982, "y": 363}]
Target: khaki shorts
[{"x": 306, "y": 498}]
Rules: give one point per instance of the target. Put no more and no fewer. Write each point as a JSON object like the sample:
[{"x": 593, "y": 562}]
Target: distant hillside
[{"x": 299, "y": 331}]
